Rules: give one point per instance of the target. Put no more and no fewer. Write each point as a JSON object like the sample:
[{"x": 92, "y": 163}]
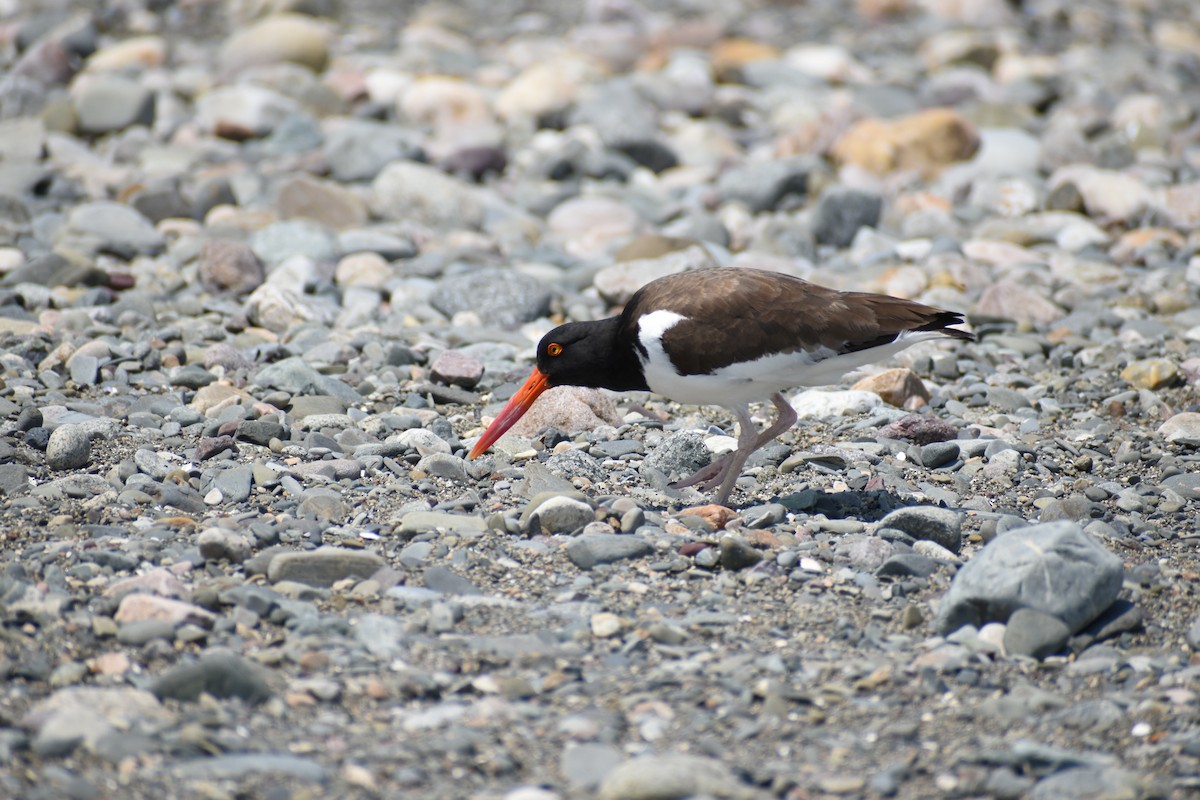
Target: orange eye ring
[{"x": 554, "y": 349}]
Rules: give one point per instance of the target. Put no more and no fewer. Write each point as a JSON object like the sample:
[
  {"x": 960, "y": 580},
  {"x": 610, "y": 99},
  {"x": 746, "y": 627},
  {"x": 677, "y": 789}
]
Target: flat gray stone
[
  {"x": 444, "y": 465},
  {"x": 222, "y": 675},
  {"x": 1193, "y": 635},
  {"x": 105, "y": 226},
  {"x": 585, "y": 764},
  {"x": 764, "y": 185},
  {"x": 440, "y": 579},
  {"x": 295, "y": 376},
  {"x": 841, "y": 211},
  {"x": 1185, "y": 484},
  {"x": 84, "y": 369},
  {"x": 84, "y": 715},
  {"x": 243, "y": 765},
  {"x": 14, "y": 480},
  {"x": 938, "y": 454},
  {"x": 383, "y": 636},
  {"x": 590, "y": 549},
  {"x": 281, "y": 240},
  {"x": 940, "y": 525},
  {"x": 907, "y": 565},
  {"x": 417, "y": 522},
  {"x": 1090, "y": 783},
  {"x": 736, "y": 553},
  {"x": 513, "y": 298},
  {"x": 1073, "y": 507},
  {"x": 560, "y": 515},
  {"x": 1032, "y": 633},
  {"x": 234, "y": 483},
  {"x": 323, "y": 567},
  {"x": 405, "y": 190},
  {"x": 218, "y": 544},
  {"x": 674, "y": 776}
]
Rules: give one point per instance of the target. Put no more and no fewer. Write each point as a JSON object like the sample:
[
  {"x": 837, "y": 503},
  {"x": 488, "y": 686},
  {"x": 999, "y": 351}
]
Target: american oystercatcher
[{"x": 727, "y": 337}]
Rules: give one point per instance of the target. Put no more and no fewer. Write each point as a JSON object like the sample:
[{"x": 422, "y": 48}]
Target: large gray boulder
[{"x": 1054, "y": 568}]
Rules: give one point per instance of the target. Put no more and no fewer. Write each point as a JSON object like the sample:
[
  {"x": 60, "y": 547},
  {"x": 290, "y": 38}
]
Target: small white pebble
[{"x": 605, "y": 625}]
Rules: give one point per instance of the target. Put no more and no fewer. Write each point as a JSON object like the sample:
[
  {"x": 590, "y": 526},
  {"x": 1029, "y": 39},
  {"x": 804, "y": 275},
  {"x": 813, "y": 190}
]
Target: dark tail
[{"x": 941, "y": 323}]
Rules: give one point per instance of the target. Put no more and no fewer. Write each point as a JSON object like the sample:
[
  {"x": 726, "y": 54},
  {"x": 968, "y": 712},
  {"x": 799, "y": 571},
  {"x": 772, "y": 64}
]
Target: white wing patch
[
  {"x": 750, "y": 381},
  {"x": 652, "y": 326}
]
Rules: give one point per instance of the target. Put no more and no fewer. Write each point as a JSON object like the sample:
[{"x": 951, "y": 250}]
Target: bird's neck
[{"x": 616, "y": 364}]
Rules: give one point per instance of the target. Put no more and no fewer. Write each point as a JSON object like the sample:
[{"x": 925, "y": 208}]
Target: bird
[{"x": 727, "y": 336}]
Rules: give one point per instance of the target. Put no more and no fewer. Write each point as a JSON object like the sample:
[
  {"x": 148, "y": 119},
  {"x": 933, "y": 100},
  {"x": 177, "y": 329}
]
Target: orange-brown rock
[
  {"x": 926, "y": 141},
  {"x": 1133, "y": 243},
  {"x": 899, "y": 387},
  {"x": 715, "y": 515},
  {"x": 730, "y": 55}
]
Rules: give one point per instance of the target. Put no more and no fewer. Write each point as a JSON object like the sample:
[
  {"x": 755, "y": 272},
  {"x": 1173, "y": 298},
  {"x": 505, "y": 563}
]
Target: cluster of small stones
[{"x": 268, "y": 267}]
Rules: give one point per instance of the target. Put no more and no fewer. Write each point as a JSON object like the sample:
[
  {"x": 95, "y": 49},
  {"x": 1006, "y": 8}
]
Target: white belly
[{"x": 738, "y": 384}]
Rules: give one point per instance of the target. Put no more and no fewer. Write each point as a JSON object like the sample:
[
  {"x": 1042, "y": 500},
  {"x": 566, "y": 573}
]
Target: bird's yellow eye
[{"x": 554, "y": 349}]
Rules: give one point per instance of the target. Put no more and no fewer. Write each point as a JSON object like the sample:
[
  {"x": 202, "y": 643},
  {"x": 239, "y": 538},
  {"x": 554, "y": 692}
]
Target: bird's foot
[{"x": 708, "y": 477}]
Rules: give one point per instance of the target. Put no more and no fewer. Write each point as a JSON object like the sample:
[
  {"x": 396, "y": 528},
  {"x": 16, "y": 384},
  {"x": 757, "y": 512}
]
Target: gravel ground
[{"x": 268, "y": 268}]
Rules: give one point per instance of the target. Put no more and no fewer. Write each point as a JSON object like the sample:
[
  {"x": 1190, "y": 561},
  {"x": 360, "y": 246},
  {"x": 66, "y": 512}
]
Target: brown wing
[{"x": 740, "y": 314}]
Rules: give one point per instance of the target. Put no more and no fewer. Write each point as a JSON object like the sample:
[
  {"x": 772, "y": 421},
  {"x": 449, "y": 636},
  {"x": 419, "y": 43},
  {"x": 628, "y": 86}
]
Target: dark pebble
[
  {"x": 904, "y": 565},
  {"x": 222, "y": 675}
]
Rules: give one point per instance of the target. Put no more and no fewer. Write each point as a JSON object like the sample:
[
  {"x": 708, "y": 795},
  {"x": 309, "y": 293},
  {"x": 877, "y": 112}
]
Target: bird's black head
[{"x": 590, "y": 354}]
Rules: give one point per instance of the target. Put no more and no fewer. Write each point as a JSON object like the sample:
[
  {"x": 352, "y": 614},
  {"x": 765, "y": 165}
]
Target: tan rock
[
  {"x": 1133, "y": 243},
  {"x": 570, "y": 409},
  {"x": 1183, "y": 427},
  {"x": 1151, "y": 373},
  {"x": 1010, "y": 300},
  {"x": 228, "y": 266},
  {"x": 1107, "y": 195},
  {"x": 293, "y": 38},
  {"x": 1181, "y": 204},
  {"x": 546, "y": 87},
  {"x": 593, "y": 225},
  {"x": 729, "y": 56},
  {"x": 651, "y": 245},
  {"x": 926, "y": 141},
  {"x": 137, "y": 52},
  {"x": 977, "y": 13},
  {"x": 92, "y": 713},
  {"x": 321, "y": 201},
  {"x": 208, "y": 397},
  {"x": 141, "y": 607},
  {"x": 1176, "y": 35},
  {"x": 715, "y": 515},
  {"x": 899, "y": 387},
  {"x": 116, "y": 663},
  {"x": 761, "y": 539},
  {"x": 158, "y": 581},
  {"x": 369, "y": 270},
  {"x": 1001, "y": 254},
  {"x": 960, "y": 46},
  {"x": 876, "y": 10}
]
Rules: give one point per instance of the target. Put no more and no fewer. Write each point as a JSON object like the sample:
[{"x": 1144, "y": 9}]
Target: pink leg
[
  {"x": 711, "y": 471},
  {"x": 726, "y": 469}
]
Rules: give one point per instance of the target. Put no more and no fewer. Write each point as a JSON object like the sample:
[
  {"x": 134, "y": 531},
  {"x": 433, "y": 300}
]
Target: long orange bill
[{"x": 516, "y": 408}]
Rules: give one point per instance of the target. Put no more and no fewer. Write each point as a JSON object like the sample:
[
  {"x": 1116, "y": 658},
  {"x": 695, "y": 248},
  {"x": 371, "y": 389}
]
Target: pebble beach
[{"x": 268, "y": 269}]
